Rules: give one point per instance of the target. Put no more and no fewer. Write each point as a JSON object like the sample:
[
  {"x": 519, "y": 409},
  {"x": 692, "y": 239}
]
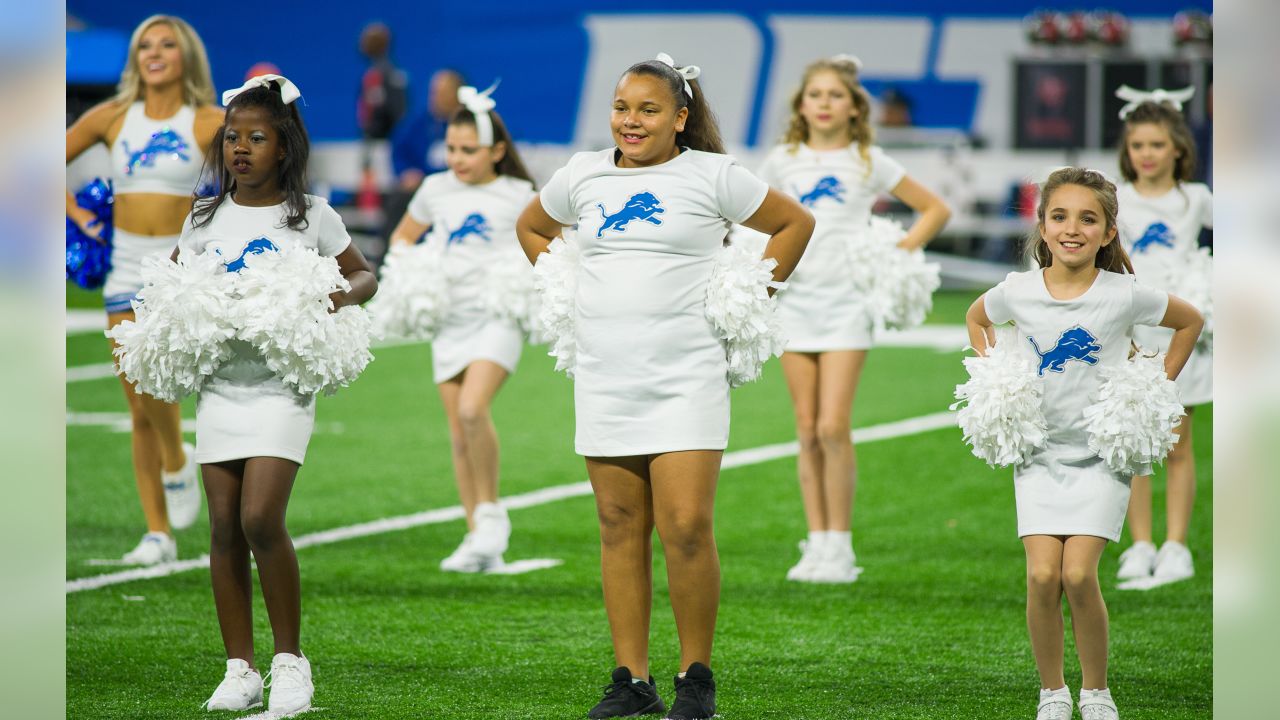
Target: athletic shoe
[
  {"x": 493, "y": 530},
  {"x": 1173, "y": 563},
  {"x": 810, "y": 556},
  {"x": 153, "y": 549},
  {"x": 695, "y": 695},
  {"x": 291, "y": 687},
  {"x": 240, "y": 689},
  {"x": 837, "y": 565},
  {"x": 182, "y": 492},
  {"x": 1054, "y": 705},
  {"x": 1098, "y": 705},
  {"x": 626, "y": 697},
  {"x": 467, "y": 560},
  {"x": 1138, "y": 561}
]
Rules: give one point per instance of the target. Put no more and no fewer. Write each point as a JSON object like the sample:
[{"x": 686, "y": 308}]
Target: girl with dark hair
[
  {"x": 1077, "y": 311},
  {"x": 651, "y": 392},
  {"x": 1162, "y": 213},
  {"x": 470, "y": 211},
  {"x": 252, "y": 430}
]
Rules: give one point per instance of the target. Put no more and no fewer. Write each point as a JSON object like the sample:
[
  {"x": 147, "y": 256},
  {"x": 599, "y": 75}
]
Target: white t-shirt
[
  {"x": 1159, "y": 231},
  {"x": 234, "y": 227},
  {"x": 474, "y": 224},
  {"x": 1071, "y": 339}
]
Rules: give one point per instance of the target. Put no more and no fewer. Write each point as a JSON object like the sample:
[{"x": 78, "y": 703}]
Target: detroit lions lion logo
[
  {"x": 165, "y": 142},
  {"x": 641, "y": 206},
  {"x": 827, "y": 187},
  {"x": 1157, "y": 234},
  {"x": 1074, "y": 344},
  {"x": 475, "y": 224},
  {"x": 257, "y": 246}
]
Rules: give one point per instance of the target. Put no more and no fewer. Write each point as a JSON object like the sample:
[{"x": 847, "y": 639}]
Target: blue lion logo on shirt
[
  {"x": 1157, "y": 234},
  {"x": 475, "y": 224},
  {"x": 1074, "y": 344},
  {"x": 165, "y": 142},
  {"x": 828, "y": 186},
  {"x": 257, "y": 246},
  {"x": 641, "y": 206}
]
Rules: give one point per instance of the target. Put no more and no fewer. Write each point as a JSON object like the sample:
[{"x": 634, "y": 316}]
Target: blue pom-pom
[{"x": 89, "y": 260}]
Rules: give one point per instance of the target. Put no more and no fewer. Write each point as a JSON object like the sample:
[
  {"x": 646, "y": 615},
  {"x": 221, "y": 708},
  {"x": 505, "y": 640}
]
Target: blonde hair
[
  {"x": 860, "y": 130},
  {"x": 1112, "y": 256},
  {"x": 197, "y": 85}
]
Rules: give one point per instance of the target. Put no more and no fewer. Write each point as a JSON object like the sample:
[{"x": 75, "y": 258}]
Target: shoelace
[
  {"x": 290, "y": 674},
  {"x": 1097, "y": 711},
  {"x": 243, "y": 678},
  {"x": 613, "y": 687},
  {"x": 698, "y": 686},
  {"x": 1055, "y": 708}
]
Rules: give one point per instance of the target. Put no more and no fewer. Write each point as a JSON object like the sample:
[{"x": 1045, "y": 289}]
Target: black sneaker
[
  {"x": 695, "y": 695},
  {"x": 626, "y": 698}
]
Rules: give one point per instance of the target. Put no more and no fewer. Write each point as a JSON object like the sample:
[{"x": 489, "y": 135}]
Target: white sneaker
[
  {"x": 467, "y": 560},
  {"x": 810, "y": 556},
  {"x": 291, "y": 686},
  {"x": 1173, "y": 563},
  {"x": 153, "y": 549},
  {"x": 1054, "y": 704},
  {"x": 837, "y": 564},
  {"x": 240, "y": 689},
  {"x": 182, "y": 492},
  {"x": 1098, "y": 705},
  {"x": 493, "y": 530},
  {"x": 1138, "y": 561}
]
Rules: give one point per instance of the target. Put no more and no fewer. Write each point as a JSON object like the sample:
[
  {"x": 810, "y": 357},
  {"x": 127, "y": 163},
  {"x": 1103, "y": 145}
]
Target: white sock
[
  {"x": 840, "y": 538},
  {"x": 817, "y": 538}
]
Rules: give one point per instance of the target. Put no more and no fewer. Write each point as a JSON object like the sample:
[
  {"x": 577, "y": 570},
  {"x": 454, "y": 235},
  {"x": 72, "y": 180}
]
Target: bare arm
[
  {"x": 89, "y": 130},
  {"x": 789, "y": 226},
  {"x": 208, "y": 119},
  {"x": 1186, "y": 323},
  {"x": 982, "y": 334},
  {"x": 933, "y": 213},
  {"x": 356, "y": 269},
  {"x": 536, "y": 229},
  {"x": 408, "y": 231}
]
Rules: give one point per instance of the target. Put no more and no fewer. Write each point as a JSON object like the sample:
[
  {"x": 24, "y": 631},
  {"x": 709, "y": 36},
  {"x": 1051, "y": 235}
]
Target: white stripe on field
[
  {"x": 738, "y": 458},
  {"x": 122, "y": 423}
]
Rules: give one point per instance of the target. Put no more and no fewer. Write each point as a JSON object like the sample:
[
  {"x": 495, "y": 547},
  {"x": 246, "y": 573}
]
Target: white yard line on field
[{"x": 738, "y": 458}]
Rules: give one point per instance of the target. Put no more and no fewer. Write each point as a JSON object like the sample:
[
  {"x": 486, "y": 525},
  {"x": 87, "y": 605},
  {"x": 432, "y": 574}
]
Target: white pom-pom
[
  {"x": 1004, "y": 418},
  {"x": 507, "y": 293},
  {"x": 183, "y": 321},
  {"x": 1131, "y": 423},
  {"x": 284, "y": 311},
  {"x": 739, "y": 307},
  {"x": 555, "y": 278},
  {"x": 1194, "y": 283},
  {"x": 413, "y": 295},
  {"x": 896, "y": 285}
]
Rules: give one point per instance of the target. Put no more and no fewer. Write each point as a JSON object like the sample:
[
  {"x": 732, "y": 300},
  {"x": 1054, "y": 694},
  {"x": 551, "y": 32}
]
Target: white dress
[
  {"x": 821, "y": 309},
  {"x": 1065, "y": 489},
  {"x": 475, "y": 224},
  {"x": 651, "y": 373},
  {"x": 244, "y": 410},
  {"x": 1159, "y": 233}
]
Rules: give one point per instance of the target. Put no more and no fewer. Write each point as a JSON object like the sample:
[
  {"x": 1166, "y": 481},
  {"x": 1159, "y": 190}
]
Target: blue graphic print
[
  {"x": 827, "y": 187},
  {"x": 641, "y": 206},
  {"x": 1157, "y": 234},
  {"x": 475, "y": 224},
  {"x": 1074, "y": 344},
  {"x": 257, "y": 246},
  {"x": 164, "y": 142}
]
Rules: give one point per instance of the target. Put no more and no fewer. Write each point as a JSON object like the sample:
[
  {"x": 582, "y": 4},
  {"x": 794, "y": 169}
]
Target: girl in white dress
[
  {"x": 651, "y": 391},
  {"x": 1076, "y": 313},
  {"x": 252, "y": 430},
  {"x": 827, "y": 162},
  {"x": 471, "y": 212},
  {"x": 1161, "y": 214}
]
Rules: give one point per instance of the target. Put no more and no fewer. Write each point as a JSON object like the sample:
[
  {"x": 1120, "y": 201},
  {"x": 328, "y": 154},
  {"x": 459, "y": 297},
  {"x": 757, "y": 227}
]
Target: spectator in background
[
  {"x": 383, "y": 88},
  {"x": 417, "y": 144},
  {"x": 895, "y": 109}
]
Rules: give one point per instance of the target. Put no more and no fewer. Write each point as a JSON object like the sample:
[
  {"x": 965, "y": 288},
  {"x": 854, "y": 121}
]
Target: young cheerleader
[
  {"x": 252, "y": 430},
  {"x": 827, "y": 162},
  {"x": 471, "y": 212},
  {"x": 651, "y": 391},
  {"x": 157, "y": 127},
  {"x": 1077, "y": 313},
  {"x": 1161, "y": 214}
]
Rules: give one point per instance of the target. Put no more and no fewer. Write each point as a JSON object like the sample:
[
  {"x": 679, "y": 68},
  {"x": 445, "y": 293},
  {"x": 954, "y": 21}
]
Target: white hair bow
[
  {"x": 288, "y": 91},
  {"x": 845, "y": 57},
  {"x": 688, "y": 72},
  {"x": 1135, "y": 97},
  {"x": 480, "y": 103}
]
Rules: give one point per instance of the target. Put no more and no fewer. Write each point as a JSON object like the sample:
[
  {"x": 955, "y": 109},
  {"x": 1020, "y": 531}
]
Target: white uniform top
[
  {"x": 821, "y": 308},
  {"x": 1071, "y": 339},
  {"x": 651, "y": 374},
  {"x": 1158, "y": 232},
  {"x": 244, "y": 410},
  {"x": 475, "y": 225},
  {"x": 156, "y": 156}
]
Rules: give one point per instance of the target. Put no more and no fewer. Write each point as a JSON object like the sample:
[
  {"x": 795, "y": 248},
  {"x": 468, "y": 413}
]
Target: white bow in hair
[
  {"x": 845, "y": 57},
  {"x": 288, "y": 91},
  {"x": 1135, "y": 97},
  {"x": 688, "y": 72},
  {"x": 480, "y": 103}
]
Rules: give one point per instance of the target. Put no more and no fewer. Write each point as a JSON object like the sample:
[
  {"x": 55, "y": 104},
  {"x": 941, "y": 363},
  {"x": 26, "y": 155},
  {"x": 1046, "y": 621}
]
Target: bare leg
[
  {"x": 229, "y": 558},
  {"x": 268, "y": 482},
  {"x": 624, "y": 502},
  {"x": 838, "y": 374},
  {"x": 1088, "y": 611},
  {"x": 684, "y": 494},
  {"x": 1139, "y": 513},
  {"x": 450, "y": 390},
  {"x": 1181, "y": 473},
  {"x": 480, "y": 384},
  {"x": 1044, "y": 606},
  {"x": 146, "y": 446},
  {"x": 801, "y": 371}
]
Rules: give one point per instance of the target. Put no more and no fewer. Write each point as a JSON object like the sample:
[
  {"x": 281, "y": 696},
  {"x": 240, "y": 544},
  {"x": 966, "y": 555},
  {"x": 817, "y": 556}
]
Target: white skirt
[
  {"x": 1070, "y": 497},
  {"x": 821, "y": 310},
  {"x": 1195, "y": 382},
  {"x": 245, "y": 411},
  {"x": 473, "y": 335},
  {"x": 124, "y": 279}
]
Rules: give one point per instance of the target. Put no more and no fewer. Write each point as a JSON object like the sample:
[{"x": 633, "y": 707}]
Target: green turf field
[{"x": 933, "y": 629}]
